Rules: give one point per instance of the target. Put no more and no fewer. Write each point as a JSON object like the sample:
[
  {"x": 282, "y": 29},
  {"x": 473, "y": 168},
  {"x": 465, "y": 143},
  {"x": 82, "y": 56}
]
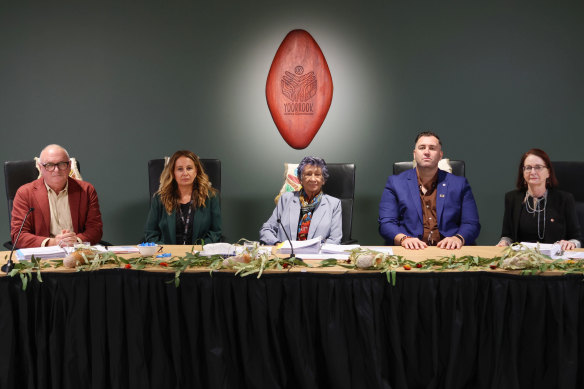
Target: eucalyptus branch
[{"x": 255, "y": 260}]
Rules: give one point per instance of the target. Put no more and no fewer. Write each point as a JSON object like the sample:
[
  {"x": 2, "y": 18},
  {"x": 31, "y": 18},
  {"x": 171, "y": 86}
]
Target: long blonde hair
[{"x": 168, "y": 190}]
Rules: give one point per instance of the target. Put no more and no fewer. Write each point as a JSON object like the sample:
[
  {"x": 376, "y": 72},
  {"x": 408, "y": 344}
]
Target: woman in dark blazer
[
  {"x": 536, "y": 211},
  {"x": 185, "y": 209}
]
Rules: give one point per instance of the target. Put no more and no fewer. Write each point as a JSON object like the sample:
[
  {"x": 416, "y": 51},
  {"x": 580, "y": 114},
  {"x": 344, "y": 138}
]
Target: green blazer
[{"x": 161, "y": 227}]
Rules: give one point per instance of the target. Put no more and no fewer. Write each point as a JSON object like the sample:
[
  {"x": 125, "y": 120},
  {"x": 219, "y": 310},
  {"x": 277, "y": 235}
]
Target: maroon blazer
[{"x": 84, "y": 206}]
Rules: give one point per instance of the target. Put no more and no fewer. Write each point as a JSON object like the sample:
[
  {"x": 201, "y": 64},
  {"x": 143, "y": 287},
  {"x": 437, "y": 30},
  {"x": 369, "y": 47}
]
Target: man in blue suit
[{"x": 427, "y": 206}]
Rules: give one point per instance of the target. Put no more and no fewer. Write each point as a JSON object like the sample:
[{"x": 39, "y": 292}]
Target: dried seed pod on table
[
  {"x": 78, "y": 257},
  {"x": 244, "y": 257}
]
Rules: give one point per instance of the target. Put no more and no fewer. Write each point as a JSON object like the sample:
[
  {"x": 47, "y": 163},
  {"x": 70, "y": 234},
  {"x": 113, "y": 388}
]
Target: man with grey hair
[{"x": 66, "y": 210}]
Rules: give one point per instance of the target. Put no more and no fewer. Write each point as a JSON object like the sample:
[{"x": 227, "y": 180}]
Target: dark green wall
[{"x": 121, "y": 82}]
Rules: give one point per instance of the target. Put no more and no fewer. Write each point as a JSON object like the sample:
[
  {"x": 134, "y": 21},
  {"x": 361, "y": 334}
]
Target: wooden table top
[{"x": 413, "y": 255}]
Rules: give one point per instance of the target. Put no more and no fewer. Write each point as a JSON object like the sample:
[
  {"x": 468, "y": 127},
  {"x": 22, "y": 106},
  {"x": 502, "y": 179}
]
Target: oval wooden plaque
[{"x": 299, "y": 89}]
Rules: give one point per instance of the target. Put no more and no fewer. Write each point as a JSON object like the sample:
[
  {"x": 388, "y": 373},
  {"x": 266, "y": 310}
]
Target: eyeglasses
[
  {"x": 537, "y": 168},
  {"x": 59, "y": 165}
]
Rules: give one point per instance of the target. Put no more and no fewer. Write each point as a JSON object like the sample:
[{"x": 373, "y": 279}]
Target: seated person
[
  {"x": 66, "y": 210},
  {"x": 306, "y": 213},
  {"x": 536, "y": 211},
  {"x": 185, "y": 209},
  {"x": 427, "y": 206}
]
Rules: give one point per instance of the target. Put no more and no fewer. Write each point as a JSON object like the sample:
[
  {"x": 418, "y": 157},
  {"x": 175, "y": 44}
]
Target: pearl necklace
[{"x": 536, "y": 208}]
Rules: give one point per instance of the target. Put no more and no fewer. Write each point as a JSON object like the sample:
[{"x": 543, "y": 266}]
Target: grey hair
[{"x": 314, "y": 161}]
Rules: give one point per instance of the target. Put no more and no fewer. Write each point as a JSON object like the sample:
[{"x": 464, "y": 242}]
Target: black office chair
[
  {"x": 16, "y": 174},
  {"x": 341, "y": 184},
  {"x": 570, "y": 177},
  {"x": 155, "y": 166},
  {"x": 457, "y": 167},
  {"x": 212, "y": 168}
]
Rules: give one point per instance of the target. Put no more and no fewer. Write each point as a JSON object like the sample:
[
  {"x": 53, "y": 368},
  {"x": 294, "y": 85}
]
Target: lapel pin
[{"x": 441, "y": 195}]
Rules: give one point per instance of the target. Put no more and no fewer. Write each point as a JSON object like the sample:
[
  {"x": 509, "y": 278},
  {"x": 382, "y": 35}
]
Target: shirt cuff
[{"x": 45, "y": 242}]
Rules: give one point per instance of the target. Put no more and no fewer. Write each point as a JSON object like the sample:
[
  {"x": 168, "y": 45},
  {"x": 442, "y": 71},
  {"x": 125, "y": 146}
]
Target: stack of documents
[
  {"x": 41, "y": 252},
  {"x": 51, "y": 252},
  {"x": 553, "y": 250},
  {"x": 310, "y": 246}
]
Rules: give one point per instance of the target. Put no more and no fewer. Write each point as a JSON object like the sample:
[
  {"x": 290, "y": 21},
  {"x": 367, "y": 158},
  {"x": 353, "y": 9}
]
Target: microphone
[
  {"x": 292, "y": 256},
  {"x": 7, "y": 267}
]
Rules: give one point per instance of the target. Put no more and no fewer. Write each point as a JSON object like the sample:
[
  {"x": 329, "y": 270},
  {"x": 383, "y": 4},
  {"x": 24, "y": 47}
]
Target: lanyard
[{"x": 185, "y": 222}]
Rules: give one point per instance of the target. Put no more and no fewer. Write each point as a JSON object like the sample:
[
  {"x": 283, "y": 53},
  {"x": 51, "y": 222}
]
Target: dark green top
[{"x": 161, "y": 227}]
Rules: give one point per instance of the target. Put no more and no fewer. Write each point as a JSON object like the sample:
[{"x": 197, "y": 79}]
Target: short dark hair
[
  {"x": 427, "y": 133},
  {"x": 314, "y": 161},
  {"x": 551, "y": 182}
]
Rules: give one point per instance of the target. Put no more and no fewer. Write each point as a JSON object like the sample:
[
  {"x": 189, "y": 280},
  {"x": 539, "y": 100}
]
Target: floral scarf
[{"x": 306, "y": 211}]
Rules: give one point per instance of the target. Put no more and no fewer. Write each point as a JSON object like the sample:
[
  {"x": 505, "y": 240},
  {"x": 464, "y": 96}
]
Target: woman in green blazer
[{"x": 185, "y": 209}]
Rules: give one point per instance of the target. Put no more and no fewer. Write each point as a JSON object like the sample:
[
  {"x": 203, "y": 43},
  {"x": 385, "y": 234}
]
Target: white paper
[
  {"x": 380, "y": 249},
  {"x": 341, "y": 257},
  {"x": 309, "y": 246},
  {"x": 337, "y": 248},
  {"x": 574, "y": 254},
  {"x": 261, "y": 249},
  {"x": 552, "y": 250},
  {"x": 218, "y": 249},
  {"x": 116, "y": 249},
  {"x": 40, "y": 252}
]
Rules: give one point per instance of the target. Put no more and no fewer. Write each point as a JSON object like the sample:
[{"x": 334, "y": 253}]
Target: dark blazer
[
  {"x": 400, "y": 208},
  {"x": 161, "y": 227},
  {"x": 83, "y": 203},
  {"x": 561, "y": 220}
]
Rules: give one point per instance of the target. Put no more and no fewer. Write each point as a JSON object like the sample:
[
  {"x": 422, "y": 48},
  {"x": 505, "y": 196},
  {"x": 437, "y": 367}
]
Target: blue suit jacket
[
  {"x": 327, "y": 221},
  {"x": 400, "y": 208}
]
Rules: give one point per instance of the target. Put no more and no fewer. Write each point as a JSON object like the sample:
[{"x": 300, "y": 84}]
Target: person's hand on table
[
  {"x": 566, "y": 245},
  {"x": 413, "y": 244},
  {"x": 450, "y": 243}
]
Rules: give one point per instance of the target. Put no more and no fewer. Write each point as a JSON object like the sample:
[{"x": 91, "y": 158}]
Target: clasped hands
[
  {"x": 448, "y": 243},
  {"x": 65, "y": 238}
]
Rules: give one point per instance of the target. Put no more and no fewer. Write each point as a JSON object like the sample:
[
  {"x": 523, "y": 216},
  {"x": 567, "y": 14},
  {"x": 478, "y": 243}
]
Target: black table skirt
[{"x": 134, "y": 329}]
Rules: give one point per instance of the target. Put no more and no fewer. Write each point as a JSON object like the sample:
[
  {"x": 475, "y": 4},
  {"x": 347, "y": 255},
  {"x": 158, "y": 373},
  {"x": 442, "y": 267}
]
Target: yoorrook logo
[
  {"x": 299, "y": 97},
  {"x": 298, "y": 88}
]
